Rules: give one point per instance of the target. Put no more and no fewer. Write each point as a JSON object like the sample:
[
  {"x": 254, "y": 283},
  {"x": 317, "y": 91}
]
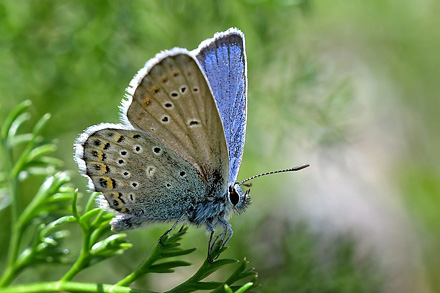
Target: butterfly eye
[{"x": 233, "y": 197}]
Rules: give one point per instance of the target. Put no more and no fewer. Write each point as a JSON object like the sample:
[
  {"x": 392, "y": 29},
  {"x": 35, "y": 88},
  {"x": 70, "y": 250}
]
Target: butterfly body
[{"x": 177, "y": 152}]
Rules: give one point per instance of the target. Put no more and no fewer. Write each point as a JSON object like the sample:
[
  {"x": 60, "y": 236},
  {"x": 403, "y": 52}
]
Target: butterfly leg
[
  {"x": 171, "y": 229},
  {"x": 211, "y": 229},
  {"x": 181, "y": 228},
  {"x": 227, "y": 228},
  {"x": 221, "y": 237}
]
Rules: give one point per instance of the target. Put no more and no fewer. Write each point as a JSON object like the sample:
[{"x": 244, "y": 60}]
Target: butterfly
[{"x": 176, "y": 154}]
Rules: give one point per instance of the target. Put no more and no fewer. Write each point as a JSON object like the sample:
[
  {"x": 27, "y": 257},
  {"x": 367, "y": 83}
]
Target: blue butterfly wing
[{"x": 223, "y": 60}]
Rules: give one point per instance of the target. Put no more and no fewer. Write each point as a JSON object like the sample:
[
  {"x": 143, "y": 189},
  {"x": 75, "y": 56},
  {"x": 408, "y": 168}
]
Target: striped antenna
[{"x": 297, "y": 168}]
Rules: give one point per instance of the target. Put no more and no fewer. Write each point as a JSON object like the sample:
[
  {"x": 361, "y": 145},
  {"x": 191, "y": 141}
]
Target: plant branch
[
  {"x": 169, "y": 248},
  {"x": 63, "y": 286},
  {"x": 8, "y": 162}
]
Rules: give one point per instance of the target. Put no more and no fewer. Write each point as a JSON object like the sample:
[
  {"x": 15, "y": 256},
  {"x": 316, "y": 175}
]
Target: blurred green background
[{"x": 351, "y": 87}]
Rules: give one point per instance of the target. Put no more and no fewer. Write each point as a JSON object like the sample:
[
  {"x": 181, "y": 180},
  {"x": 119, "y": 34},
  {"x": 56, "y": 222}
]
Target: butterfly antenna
[{"x": 297, "y": 168}]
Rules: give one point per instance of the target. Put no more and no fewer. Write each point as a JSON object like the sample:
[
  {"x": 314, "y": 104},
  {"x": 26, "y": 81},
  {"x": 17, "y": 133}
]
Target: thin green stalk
[
  {"x": 193, "y": 280},
  {"x": 12, "y": 272},
  {"x": 15, "y": 240},
  {"x": 142, "y": 269},
  {"x": 16, "y": 229},
  {"x": 15, "y": 265},
  {"x": 82, "y": 260},
  {"x": 8, "y": 276},
  {"x": 13, "y": 170},
  {"x": 62, "y": 286}
]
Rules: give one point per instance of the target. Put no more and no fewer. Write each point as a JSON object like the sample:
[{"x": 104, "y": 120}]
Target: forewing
[
  {"x": 137, "y": 174},
  {"x": 223, "y": 60},
  {"x": 172, "y": 101}
]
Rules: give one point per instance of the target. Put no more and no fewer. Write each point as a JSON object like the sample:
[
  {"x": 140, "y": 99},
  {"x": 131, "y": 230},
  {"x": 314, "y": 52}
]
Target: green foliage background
[{"x": 74, "y": 59}]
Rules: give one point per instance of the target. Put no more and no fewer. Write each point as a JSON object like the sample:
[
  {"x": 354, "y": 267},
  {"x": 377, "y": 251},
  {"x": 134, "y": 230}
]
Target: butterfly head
[{"x": 238, "y": 198}]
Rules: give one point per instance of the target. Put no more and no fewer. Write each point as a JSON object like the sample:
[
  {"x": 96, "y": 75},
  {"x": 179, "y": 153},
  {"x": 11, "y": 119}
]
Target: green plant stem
[
  {"x": 16, "y": 228},
  {"x": 13, "y": 171},
  {"x": 12, "y": 272},
  {"x": 15, "y": 240},
  {"x": 82, "y": 260},
  {"x": 70, "y": 287},
  {"x": 193, "y": 280},
  {"x": 142, "y": 269},
  {"x": 20, "y": 222},
  {"x": 8, "y": 276}
]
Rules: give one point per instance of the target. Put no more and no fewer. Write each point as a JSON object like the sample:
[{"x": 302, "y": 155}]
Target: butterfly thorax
[
  {"x": 214, "y": 204},
  {"x": 219, "y": 208},
  {"x": 211, "y": 211}
]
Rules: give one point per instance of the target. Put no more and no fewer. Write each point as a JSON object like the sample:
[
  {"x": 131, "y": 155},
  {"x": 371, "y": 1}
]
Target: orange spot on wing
[
  {"x": 147, "y": 101},
  {"x": 155, "y": 89}
]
